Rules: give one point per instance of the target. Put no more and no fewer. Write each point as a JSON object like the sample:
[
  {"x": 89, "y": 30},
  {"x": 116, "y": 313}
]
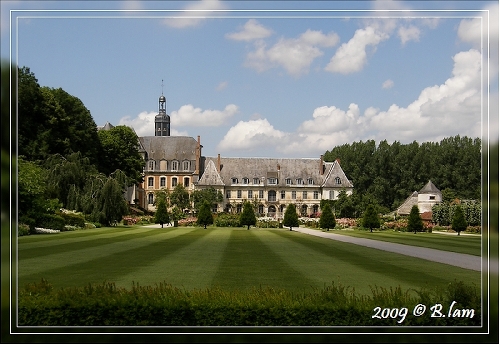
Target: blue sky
[{"x": 268, "y": 83}]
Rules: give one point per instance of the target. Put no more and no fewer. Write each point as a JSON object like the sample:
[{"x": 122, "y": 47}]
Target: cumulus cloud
[
  {"x": 440, "y": 110},
  {"x": 387, "y": 84},
  {"x": 188, "y": 115},
  {"x": 469, "y": 31},
  {"x": 246, "y": 135},
  {"x": 252, "y": 30},
  {"x": 194, "y": 14},
  {"x": 411, "y": 33},
  {"x": 351, "y": 56},
  {"x": 295, "y": 55}
]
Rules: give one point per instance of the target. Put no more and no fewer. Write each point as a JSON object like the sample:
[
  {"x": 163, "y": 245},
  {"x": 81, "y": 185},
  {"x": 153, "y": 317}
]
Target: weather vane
[{"x": 162, "y": 87}]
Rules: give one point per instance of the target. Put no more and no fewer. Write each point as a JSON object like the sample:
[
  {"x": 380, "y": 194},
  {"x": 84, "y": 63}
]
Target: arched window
[
  {"x": 151, "y": 181},
  {"x": 150, "y": 199},
  {"x": 163, "y": 181},
  {"x": 337, "y": 180},
  {"x": 174, "y": 181},
  {"x": 271, "y": 195},
  {"x": 151, "y": 165},
  {"x": 288, "y": 181},
  {"x": 186, "y": 181},
  {"x": 315, "y": 208},
  {"x": 175, "y": 165},
  {"x": 186, "y": 165},
  {"x": 245, "y": 180},
  {"x": 310, "y": 181}
]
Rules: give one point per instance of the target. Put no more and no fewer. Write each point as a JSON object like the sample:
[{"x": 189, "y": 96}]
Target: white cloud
[
  {"x": 293, "y": 54},
  {"x": 411, "y": 33},
  {"x": 351, "y": 56},
  {"x": 194, "y": 14},
  {"x": 247, "y": 135},
  {"x": 188, "y": 115},
  {"x": 387, "y": 84},
  {"x": 222, "y": 85},
  {"x": 252, "y": 30},
  {"x": 469, "y": 31}
]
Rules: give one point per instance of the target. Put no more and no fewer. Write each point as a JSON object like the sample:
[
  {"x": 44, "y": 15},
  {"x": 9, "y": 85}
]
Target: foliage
[
  {"x": 442, "y": 213},
  {"x": 113, "y": 205},
  {"x": 211, "y": 195},
  {"x": 163, "y": 304},
  {"x": 180, "y": 197},
  {"x": 415, "y": 222},
  {"x": 205, "y": 215},
  {"x": 370, "y": 218},
  {"x": 23, "y": 230},
  {"x": 247, "y": 217},
  {"x": 227, "y": 220},
  {"x": 161, "y": 214},
  {"x": 291, "y": 218},
  {"x": 267, "y": 222},
  {"x": 391, "y": 172},
  {"x": 459, "y": 223},
  {"x": 327, "y": 219}
]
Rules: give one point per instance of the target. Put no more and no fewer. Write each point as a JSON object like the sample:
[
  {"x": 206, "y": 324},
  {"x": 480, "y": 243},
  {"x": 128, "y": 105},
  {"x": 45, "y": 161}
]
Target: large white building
[{"x": 270, "y": 183}]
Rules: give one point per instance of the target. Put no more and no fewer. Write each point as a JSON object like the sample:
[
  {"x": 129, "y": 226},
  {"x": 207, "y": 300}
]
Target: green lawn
[
  {"x": 232, "y": 258},
  {"x": 452, "y": 243}
]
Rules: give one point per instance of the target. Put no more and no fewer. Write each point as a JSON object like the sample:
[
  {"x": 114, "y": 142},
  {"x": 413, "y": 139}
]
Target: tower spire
[{"x": 162, "y": 87}]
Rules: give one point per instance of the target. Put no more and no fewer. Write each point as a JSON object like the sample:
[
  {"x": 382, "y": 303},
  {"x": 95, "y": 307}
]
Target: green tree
[
  {"x": 180, "y": 197},
  {"x": 205, "y": 216},
  {"x": 211, "y": 195},
  {"x": 415, "y": 222},
  {"x": 291, "y": 218},
  {"x": 247, "y": 217},
  {"x": 370, "y": 218},
  {"x": 120, "y": 151},
  {"x": 459, "y": 223},
  {"x": 161, "y": 215},
  {"x": 113, "y": 205},
  {"x": 327, "y": 219}
]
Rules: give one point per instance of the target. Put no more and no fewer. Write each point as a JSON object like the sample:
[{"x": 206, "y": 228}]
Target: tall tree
[
  {"x": 180, "y": 197},
  {"x": 205, "y": 215},
  {"x": 247, "y": 217},
  {"x": 211, "y": 195},
  {"x": 415, "y": 222},
  {"x": 114, "y": 206},
  {"x": 120, "y": 151},
  {"x": 459, "y": 223},
  {"x": 327, "y": 219},
  {"x": 291, "y": 218},
  {"x": 370, "y": 218},
  {"x": 161, "y": 215}
]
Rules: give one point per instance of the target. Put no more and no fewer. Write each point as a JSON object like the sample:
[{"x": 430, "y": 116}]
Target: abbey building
[{"x": 271, "y": 183}]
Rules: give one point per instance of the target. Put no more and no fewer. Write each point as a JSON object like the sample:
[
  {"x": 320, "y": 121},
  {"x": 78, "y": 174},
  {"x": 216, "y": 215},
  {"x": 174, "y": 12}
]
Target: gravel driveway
[{"x": 467, "y": 261}]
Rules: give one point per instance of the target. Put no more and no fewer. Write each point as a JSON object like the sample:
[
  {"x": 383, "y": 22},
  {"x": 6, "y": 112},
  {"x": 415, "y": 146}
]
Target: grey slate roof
[
  {"x": 107, "y": 126},
  {"x": 429, "y": 188},
  {"x": 169, "y": 148},
  {"x": 281, "y": 168},
  {"x": 406, "y": 206}
]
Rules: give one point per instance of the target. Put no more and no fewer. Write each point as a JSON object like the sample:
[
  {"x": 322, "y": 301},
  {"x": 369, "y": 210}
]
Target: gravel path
[{"x": 467, "y": 261}]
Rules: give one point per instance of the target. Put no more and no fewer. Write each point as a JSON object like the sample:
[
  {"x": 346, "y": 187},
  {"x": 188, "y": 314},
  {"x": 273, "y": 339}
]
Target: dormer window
[
  {"x": 234, "y": 180},
  {"x": 175, "y": 166},
  {"x": 300, "y": 181},
  {"x": 272, "y": 180},
  {"x": 337, "y": 180},
  {"x": 186, "y": 165},
  {"x": 246, "y": 180},
  {"x": 256, "y": 180},
  {"x": 288, "y": 181},
  {"x": 310, "y": 181}
]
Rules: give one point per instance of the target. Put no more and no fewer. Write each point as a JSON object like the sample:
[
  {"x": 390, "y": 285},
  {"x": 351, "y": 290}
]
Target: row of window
[
  {"x": 273, "y": 181},
  {"x": 271, "y": 195},
  {"x": 166, "y": 165},
  {"x": 163, "y": 181}
]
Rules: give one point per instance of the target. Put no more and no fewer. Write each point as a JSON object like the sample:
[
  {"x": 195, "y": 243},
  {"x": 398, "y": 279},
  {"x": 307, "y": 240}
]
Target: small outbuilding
[{"x": 427, "y": 197}]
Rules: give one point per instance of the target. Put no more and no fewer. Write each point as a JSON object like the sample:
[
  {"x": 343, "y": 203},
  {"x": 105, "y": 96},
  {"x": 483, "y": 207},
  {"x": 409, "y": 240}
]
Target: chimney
[
  {"x": 338, "y": 161},
  {"x": 278, "y": 167},
  {"x": 321, "y": 166},
  {"x": 218, "y": 162},
  {"x": 198, "y": 157}
]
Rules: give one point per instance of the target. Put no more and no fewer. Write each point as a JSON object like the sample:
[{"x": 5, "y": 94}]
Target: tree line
[{"x": 386, "y": 174}]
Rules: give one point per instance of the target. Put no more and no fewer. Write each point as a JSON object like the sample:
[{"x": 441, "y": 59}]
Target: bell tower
[{"x": 162, "y": 120}]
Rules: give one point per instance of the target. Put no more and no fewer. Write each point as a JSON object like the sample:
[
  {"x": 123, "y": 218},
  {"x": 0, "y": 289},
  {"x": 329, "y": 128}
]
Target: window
[
  {"x": 150, "y": 181},
  {"x": 272, "y": 180},
  {"x": 238, "y": 193},
  {"x": 282, "y": 194},
  {"x": 150, "y": 199},
  {"x": 304, "y": 195},
  {"x": 186, "y": 181},
  {"x": 174, "y": 181},
  {"x": 250, "y": 194},
  {"x": 300, "y": 181},
  {"x": 234, "y": 180},
  {"x": 228, "y": 194},
  {"x": 332, "y": 195},
  {"x": 186, "y": 166},
  {"x": 261, "y": 194},
  {"x": 256, "y": 180},
  {"x": 294, "y": 194},
  {"x": 151, "y": 165},
  {"x": 175, "y": 165},
  {"x": 246, "y": 180},
  {"x": 315, "y": 208},
  {"x": 271, "y": 195},
  {"x": 310, "y": 181},
  {"x": 288, "y": 181},
  {"x": 214, "y": 208},
  {"x": 238, "y": 208},
  {"x": 315, "y": 195},
  {"x": 432, "y": 197},
  {"x": 163, "y": 181},
  {"x": 261, "y": 209},
  {"x": 163, "y": 164},
  {"x": 337, "y": 180}
]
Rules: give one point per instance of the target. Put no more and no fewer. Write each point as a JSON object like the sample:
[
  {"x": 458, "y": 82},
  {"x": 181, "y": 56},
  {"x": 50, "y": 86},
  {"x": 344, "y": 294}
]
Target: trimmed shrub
[
  {"x": 23, "y": 230},
  {"x": 50, "y": 221},
  {"x": 74, "y": 219},
  {"x": 227, "y": 220}
]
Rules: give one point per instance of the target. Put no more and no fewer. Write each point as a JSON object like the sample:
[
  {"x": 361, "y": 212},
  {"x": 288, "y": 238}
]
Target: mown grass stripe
[
  {"x": 70, "y": 244},
  {"x": 248, "y": 263},
  {"x": 368, "y": 264},
  {"x": 191, "y": 267},
  {"x": 95, "y": 260}
]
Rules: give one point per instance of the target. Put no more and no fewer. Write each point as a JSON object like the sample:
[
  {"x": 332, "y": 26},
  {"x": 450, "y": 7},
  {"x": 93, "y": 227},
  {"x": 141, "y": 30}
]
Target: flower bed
[{"x": 46, "y": 231}]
